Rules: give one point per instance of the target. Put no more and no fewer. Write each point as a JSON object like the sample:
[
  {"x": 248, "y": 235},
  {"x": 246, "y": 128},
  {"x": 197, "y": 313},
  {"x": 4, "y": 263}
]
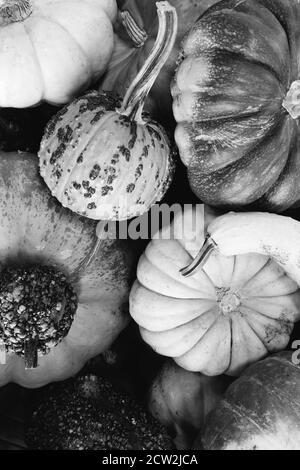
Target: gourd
[
  {"x": 260, "y": 410},
  {"x": 236, "y": 103},
  {"x": 135, "y": 33},
  {"x": 53, "y": 49},
  {"x": 181, "y": 400},
  {"x": 61, "y": 301},
  {"x": 104, "y": 159},
  {"x": 242, "y": 304},
  {"x": 93, "y": 413}
]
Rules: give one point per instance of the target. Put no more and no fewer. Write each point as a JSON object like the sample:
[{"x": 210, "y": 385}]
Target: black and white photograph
[{"x": 149, "y": 229}]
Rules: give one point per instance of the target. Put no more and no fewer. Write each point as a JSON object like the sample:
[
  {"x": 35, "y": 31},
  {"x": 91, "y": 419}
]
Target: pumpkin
[
  {"x": 239, "y": 307},
  {"x": 135, "y": 33},
  {"x": 260, "y": 410},
  {"x": 181, "y": 400},
  {"x": 59, "y": 305},
  {"x": 235, "y": 100},
  {"x": 50, "y": 50},
  {"x": 92, "y": 413},
  {"x": 104, "y": 159}
]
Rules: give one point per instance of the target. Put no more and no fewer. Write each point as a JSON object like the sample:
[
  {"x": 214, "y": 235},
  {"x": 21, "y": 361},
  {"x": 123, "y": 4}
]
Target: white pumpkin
[{"x": 52, "y": 49}]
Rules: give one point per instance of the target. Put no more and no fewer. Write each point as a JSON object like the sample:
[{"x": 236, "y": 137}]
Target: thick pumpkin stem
[
  {"x": 208, "y": 247},
  {"x": 12, "y": 11},
  {"x": 137, "y": 93},
  {"x": 31, "y": 354},
  {"x": 292, "y": 100},
  {"x": 137, "y": 35},
  {"x": 2, "y": 352}
]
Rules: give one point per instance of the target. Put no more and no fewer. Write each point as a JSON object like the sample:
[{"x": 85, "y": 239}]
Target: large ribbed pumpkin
[
  {"x": 260, "y": 410},
  {"x": 222, "y": 318},
  {"x": 236, "y": 102},
  {"x": 61, "y": 302},
  {"x": 52, "y": 49}
]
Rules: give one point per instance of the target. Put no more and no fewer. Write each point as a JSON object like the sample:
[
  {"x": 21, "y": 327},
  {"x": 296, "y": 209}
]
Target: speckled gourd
[{"x": 105, "y": 159}]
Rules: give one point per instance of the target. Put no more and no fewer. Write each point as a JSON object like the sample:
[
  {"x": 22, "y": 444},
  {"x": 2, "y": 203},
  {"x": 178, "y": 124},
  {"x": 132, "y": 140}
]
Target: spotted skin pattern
[{"x": 101, "y": 164}]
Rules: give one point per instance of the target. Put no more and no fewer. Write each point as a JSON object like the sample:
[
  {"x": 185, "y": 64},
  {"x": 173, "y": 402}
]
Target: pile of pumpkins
[{"x": 108, "y": 108}]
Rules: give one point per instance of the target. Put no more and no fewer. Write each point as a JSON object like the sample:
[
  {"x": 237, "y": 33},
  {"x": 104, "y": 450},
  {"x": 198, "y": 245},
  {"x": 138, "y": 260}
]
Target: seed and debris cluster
[
  {"x": 36, "y": 304},
  {"x": 90, "y": 413}
]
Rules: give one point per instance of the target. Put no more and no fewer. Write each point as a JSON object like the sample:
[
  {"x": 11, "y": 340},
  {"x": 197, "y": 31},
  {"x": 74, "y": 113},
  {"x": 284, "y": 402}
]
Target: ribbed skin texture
[
  {"x": 240, "y": 145},
  {"x": 227, "y": 315},
  {"x": 260, "y": 410},
  {"x": 90, "y": 413},
  {"x": 102, "y": 164},
  {"x": 57, "y": 51}
]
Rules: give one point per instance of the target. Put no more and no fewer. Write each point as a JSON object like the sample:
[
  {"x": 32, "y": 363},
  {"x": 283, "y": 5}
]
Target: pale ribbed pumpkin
[
  {"x": 50, "y": 272},
  {"x": 234, "y": 311},
  {"x": 52, "y": 49},
  {"x": 105, "y": 159},
  {"x": 236, "y": 102}
]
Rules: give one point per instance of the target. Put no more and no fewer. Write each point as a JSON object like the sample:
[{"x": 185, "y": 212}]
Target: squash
[
  {"x": 235, "y": 100},
  {"x": 50, "y": 50},
  {"x": 104, "y": 159},
  {"x": 181, "y": 400},
  {"x": 239, "y": 307},
  {"x": 93, "y": 413},
  {"x": 260, "y": 410},
  {"x": 135, "y": 33},
  {"x": 61, "y": 302}
]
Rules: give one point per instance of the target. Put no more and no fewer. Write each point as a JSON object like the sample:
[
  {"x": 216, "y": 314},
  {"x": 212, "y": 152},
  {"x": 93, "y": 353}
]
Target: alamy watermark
[
  {"x": 296, "y": 354},
  {"x": 161, "y": 222}
]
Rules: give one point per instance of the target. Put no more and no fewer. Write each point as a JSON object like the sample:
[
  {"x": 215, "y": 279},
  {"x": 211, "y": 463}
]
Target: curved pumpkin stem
[
  {"x": 137, "y": 35},
  {"x": 13, "y": 11},
  {"x": 2, "y": 352},
  {"x": 138, "y": 91},
  {"x": 208, "y": 247}
]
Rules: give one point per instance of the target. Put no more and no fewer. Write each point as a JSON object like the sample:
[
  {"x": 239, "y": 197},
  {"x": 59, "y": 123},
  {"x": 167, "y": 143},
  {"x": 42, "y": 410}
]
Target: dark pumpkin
[
  {"x": 135, "y": 34},
  {"x": 260, "y": 410},
  {"x": 236, "y": 104}
]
